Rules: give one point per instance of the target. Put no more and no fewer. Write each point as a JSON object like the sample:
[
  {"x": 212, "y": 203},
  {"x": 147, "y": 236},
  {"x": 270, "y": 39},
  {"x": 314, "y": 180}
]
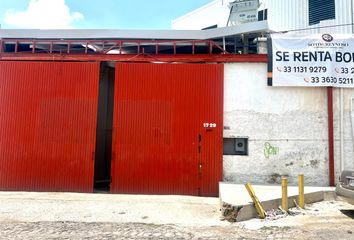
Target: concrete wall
[
  {"x": 348, "y": 145},
  {"x": 291, "y": 120}
]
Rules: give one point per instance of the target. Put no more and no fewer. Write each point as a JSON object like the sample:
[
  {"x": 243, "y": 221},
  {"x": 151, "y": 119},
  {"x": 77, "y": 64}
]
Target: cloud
[{"x": 43, "y": 14}]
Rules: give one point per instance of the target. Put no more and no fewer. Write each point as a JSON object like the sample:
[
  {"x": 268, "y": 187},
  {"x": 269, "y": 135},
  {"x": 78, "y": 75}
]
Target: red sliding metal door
[
  {"x": 167, "y": 130},
  {"x": 48, "y": 113}
]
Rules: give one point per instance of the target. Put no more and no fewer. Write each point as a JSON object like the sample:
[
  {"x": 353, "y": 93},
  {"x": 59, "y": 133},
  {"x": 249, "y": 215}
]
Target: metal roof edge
[
  {"x": 134, "y": 34},
  {"x": 99, "y": 34},
  {"x": 253, "y": 27}
]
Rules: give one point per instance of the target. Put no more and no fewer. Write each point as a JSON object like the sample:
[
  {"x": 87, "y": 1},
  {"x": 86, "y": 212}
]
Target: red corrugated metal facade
[
  {"x": 167, "y": 130},
  {"x": 48, "y": 113}
]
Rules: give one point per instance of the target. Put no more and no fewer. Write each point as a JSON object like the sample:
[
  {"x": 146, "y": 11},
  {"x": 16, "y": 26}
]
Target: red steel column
[{"x": 330, "y": 135}]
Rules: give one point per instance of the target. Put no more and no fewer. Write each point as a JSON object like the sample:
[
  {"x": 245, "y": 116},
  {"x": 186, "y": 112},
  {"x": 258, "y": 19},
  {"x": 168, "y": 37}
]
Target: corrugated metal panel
[
  {"x": 47, "y": 125},
  {"x": 344, "y": 15},
  {"x": 286, "y": 15},
  {"x": 158, "y": 116}
]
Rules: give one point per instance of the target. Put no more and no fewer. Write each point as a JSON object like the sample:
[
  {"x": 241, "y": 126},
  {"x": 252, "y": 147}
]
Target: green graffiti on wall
[{"x": 270, "y": 150}]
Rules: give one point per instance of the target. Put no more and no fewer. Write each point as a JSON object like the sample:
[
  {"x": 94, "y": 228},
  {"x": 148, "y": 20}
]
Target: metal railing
[{"x": 109, "y": 46}]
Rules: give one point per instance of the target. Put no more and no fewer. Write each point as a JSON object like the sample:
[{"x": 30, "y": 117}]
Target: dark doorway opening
[{"x": 103, "y": 155}]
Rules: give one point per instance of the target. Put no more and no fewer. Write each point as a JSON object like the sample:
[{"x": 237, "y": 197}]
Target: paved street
[{"x": 71, "y": 230}]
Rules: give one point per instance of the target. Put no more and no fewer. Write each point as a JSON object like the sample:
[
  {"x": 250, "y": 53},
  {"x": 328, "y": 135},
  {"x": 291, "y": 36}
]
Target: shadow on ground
[{"x": 348, "y": 213}]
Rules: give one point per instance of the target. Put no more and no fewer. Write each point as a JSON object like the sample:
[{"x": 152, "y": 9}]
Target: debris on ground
[
  {"x": 295, "y": 211},
  {"x": 229, "y": 212},
  {"x": 275, "y": 214}
]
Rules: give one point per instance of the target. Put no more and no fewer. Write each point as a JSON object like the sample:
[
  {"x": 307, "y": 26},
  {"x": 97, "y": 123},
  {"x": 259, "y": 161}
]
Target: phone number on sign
[
  {"x": 329, "y": 80},
  {"x": 300, "y": 69}
]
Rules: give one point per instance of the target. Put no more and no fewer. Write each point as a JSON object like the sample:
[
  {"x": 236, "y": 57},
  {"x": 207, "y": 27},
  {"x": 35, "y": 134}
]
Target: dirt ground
[{"x": 73, "y": 216}]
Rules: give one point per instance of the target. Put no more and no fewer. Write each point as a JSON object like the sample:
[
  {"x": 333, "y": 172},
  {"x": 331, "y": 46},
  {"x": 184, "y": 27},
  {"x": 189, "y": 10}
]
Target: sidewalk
[{"x": 79, "y": 207}]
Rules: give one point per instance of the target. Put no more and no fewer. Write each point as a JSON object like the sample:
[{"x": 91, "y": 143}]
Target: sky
[{"x": 93, "y": 14}]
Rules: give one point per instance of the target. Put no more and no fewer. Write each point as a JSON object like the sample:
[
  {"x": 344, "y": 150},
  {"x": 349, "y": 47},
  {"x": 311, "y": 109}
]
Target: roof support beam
[{"x": 159, "y": 58}]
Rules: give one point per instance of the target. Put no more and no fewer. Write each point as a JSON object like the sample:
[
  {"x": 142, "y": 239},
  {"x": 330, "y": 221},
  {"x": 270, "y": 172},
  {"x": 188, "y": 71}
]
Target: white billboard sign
[{"x": 313, "y": 61}]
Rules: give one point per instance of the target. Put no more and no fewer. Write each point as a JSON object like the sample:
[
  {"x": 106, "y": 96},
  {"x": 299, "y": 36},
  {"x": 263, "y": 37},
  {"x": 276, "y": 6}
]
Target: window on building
[
  {"x": 320, "y": 10},
  {"x": 235, "y": 146},
  {"x": 260, "y": 15},
  {"x": 263, "y": 15}
]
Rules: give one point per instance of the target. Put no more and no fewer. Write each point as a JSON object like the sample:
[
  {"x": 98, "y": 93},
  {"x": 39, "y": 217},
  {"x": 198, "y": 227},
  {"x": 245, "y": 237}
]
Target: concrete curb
[
  {"x": 248, "y": 211},
  {"x": 269, "y": 196}
]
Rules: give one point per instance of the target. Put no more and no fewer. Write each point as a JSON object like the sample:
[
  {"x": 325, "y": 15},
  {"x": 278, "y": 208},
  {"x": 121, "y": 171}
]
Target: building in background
[
  {"x": 281, "y": 15},
  {"x": 300, "y": 16}
]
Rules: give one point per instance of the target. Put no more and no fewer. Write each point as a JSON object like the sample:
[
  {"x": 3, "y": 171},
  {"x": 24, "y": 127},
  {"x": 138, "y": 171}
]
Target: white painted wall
[
  {"x": 286, "y": 15},
  {"x": 283, "y": 15},
  {"x": 291, "y": 119},
  {"x": 214, "y": 13}
]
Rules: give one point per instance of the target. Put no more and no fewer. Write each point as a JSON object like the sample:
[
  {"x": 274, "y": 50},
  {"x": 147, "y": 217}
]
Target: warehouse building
[
  {"x": 125, "y": 111},
  {"x": 161, "y": 112}
]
